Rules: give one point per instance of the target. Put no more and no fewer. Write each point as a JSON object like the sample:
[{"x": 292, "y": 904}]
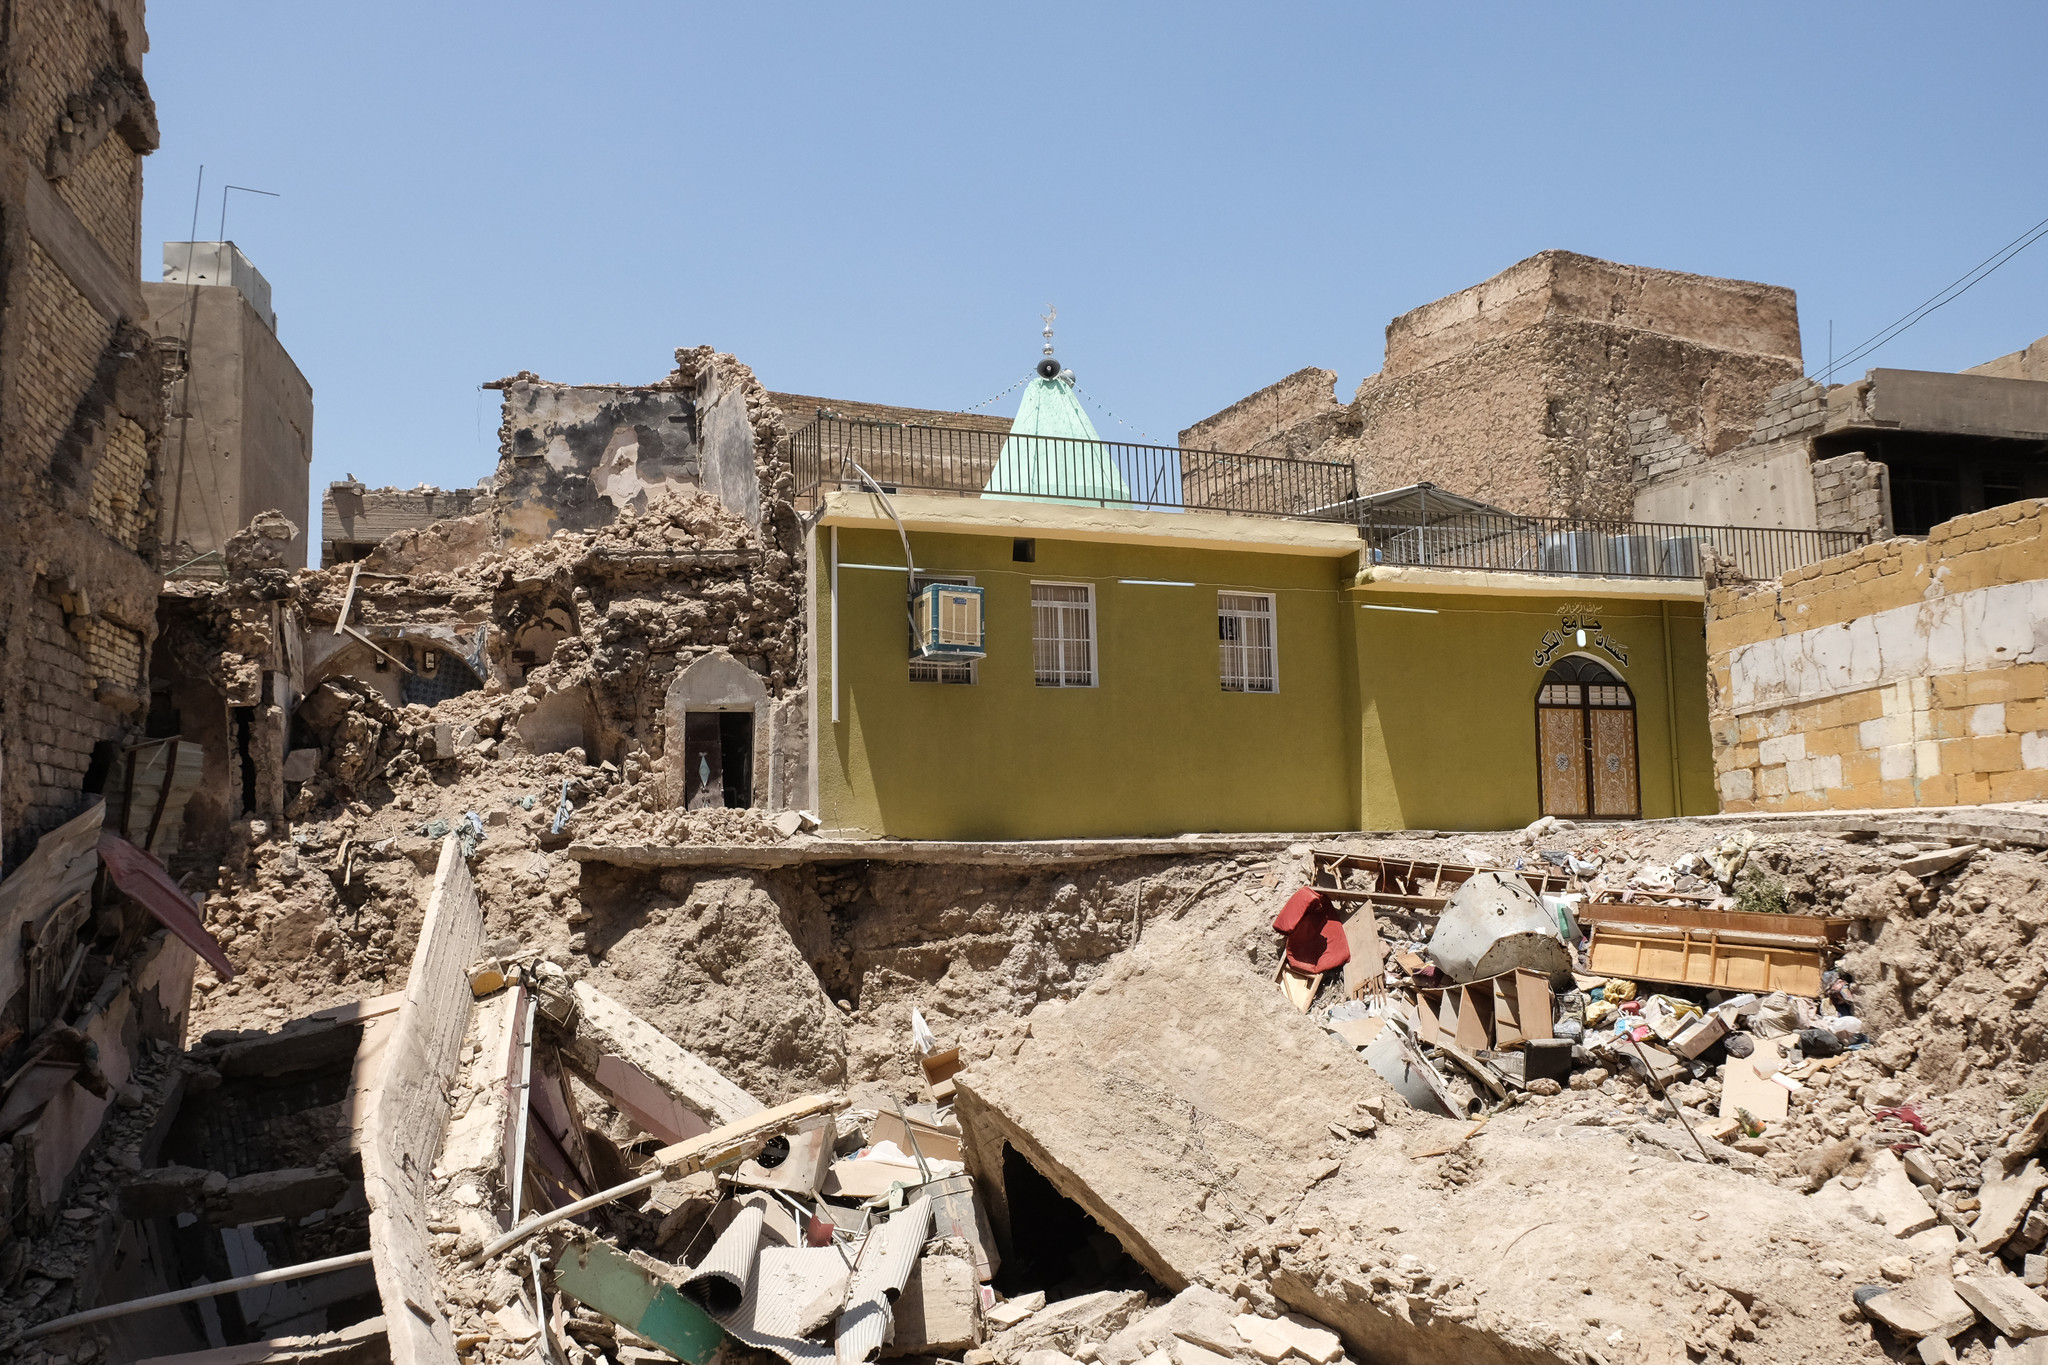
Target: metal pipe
[
  {"x": 568, "y": 1211},
  {"x": 198, "y": 1291}
]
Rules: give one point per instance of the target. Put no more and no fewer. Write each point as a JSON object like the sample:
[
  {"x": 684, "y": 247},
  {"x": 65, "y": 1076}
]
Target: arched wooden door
[{"x": 1586, "y": 742}]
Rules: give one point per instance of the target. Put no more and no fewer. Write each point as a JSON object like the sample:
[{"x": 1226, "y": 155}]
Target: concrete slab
[
  {"x": 2009, "y": 1306},
  {"x": 2004, "y": 1205},
  {"x": 1924, "y": 1307}
]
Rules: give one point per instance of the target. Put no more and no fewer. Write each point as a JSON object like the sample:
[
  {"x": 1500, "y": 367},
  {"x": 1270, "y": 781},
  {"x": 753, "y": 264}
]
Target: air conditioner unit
[{"x": 949, "y": 623}]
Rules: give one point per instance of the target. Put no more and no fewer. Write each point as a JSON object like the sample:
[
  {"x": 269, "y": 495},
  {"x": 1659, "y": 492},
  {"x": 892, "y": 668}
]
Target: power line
[{"x": 1946, "y": 296}]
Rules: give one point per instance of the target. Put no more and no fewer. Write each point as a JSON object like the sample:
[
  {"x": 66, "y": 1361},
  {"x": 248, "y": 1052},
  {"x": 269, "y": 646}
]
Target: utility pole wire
[{"x": 1960, "y": 287}]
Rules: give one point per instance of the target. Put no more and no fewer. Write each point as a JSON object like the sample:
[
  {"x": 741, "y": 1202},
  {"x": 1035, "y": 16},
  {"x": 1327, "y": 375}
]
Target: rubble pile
[{"x": 1153, "y": 1147}]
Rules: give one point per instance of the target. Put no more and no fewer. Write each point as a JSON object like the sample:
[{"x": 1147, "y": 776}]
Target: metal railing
[
  {"x": 1582, "y": 547},
  {"x": 964, "y": 462}
]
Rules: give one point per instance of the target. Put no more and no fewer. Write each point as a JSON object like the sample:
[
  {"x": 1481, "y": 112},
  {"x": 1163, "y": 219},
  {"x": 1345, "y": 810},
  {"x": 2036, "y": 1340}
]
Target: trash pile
[{"x": 1474, "y": 990}]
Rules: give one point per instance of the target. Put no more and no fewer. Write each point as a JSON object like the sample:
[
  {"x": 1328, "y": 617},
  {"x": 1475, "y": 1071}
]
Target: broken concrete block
[
  {"x": 1926, "y": 1307},
  {"x": 1010, "y": 1312},
  {"x": 1920, "y": 1166},
  {"x": 1941, "y": 860},
  {"x": 1196, "y": 1314},
  {"x": 165, "y": 1191},
  {"x": 301, "y": 764},
  {"x": 2036, "y": 1271},
  {"x": 939, "y": 1311},
  {"x": 2004, "y": 1205},
  {"x": 1937, "y": 1244},
  {"x": 1936, "y": 1351},
  {"x": 1069, "y": 1322},
  {"x": 1889, "y": 1192},
  {"x": 2005, "y": 1303},
  {"x": 1274, "y": 1339},
  {"x": 1045, "y": 1356},
  {"x": 603, "y": 1027},
  {"x": 1186, "y": 1352},
  {"x": 1885, "y": 1195}
]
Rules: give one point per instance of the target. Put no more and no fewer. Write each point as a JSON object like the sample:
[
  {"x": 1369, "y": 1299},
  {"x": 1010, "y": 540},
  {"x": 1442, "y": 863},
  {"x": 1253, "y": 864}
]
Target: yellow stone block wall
[{"x": 1948, "y": 738}]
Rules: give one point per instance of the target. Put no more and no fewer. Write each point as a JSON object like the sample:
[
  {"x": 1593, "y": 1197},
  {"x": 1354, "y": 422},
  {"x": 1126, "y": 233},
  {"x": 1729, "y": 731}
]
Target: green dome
[{"x": 1053, "y": 452}]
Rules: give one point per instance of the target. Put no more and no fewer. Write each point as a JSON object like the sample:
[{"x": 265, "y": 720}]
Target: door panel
[
  {"x": 1614, "y": 763},
  {"x": 703, "y": 762},
  {"x": 1561, "y": 752}
]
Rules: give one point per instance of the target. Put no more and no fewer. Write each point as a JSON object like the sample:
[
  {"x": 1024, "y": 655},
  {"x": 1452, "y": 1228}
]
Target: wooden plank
[
  {"x": 1299, "y": 987},
  {"x": 1532, "y": 991},
  {"x": 1830, "y": 929},
  {"x": 1367, "y": 968},
  {"x": 1475, "y": 1017},
  {"x": 348, "y": 601},
  {"x": 1688, "y": 961},
  {"x": 1507, "y": 1012}
]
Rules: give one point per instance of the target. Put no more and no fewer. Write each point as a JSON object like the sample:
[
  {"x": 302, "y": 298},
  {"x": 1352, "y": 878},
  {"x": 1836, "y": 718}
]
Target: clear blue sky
[{"x": 876, "y": 202}]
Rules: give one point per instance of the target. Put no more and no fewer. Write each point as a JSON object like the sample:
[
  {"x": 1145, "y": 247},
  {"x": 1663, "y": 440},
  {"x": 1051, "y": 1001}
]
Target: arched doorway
[{"x": 1586, "y": 741}]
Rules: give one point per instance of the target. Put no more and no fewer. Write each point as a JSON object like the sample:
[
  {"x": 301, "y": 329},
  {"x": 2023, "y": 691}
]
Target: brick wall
[
  {"x": 118, "y": 507},
  {"x": 1904, "y": 673},
  {"x": 69, "y": 337},
  {"x": 80, "y": 405},
  {"x": 102, "y": 190},
  {"x": 1852, "y": 493},
  {"x": 63, "y": 720}
]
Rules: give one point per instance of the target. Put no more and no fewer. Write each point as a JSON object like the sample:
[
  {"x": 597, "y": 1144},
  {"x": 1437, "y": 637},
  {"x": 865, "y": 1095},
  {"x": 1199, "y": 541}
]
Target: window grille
[
  {"x": 938, "y": 670},
  {"x": 1063, "y": 634},
  {"x": 1244, "y": 630}
]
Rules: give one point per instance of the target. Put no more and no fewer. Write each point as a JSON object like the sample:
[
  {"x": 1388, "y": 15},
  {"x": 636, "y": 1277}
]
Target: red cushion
[{"x": 1315, "y": 935}]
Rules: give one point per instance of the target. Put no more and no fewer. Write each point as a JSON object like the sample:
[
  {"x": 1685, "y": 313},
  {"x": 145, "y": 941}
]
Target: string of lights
[
  {"x": 999, "y": 397},
  {"x": 1112, "y": 416}
]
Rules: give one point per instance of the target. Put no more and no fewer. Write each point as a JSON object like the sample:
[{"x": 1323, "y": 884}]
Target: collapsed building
[
  {"x": 439, "y": 955},
  {"x": 473, "y": 947}
]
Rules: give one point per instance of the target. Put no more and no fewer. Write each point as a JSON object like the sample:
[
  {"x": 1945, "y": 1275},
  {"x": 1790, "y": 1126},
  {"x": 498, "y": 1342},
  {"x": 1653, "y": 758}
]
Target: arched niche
[{"x": 717, "y": 716}]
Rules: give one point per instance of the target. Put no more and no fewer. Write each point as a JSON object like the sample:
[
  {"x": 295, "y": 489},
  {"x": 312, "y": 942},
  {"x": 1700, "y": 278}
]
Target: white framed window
[
  {"x": 1245, "y": 636},
  {"x": 939, "y": 670},
  {"x": 1063, "y": 634}
]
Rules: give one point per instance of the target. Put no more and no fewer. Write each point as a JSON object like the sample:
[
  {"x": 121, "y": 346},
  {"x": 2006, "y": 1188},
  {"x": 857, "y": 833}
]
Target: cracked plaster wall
[{"x": 1905, "y": 673}]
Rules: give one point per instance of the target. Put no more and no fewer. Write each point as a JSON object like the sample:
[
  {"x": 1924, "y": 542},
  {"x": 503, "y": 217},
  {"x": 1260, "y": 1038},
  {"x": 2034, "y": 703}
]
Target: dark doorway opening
[
  {"x": 718, "y": 759},
  {"x": 1936, "y": 476},
  {"x": 1054, "y": 1244}
]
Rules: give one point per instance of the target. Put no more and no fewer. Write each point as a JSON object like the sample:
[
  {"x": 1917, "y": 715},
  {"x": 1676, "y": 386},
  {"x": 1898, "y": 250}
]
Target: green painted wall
[
  {"x": 1157, "y": 748},
  {"x": 1383, "y": 720},
  {"x": 1448, "y": 732}
]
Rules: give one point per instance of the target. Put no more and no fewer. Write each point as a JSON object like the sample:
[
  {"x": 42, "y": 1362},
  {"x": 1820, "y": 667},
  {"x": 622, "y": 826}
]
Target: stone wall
[
  {"x": 1905, "y": 673},
  {"x": 573, "y": 457},
  {"x": 1763, "y": 480},
  {"x": 355, "y": 518},
  {"x": 80, "y": 404},
  {"x": 1520, "y": 390},
  {"x": 2030, "y": 362}
]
